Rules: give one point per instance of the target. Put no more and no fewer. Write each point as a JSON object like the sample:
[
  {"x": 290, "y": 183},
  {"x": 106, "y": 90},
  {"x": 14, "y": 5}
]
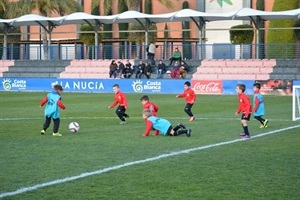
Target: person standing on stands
[
  {"x": 113, "y": 69},
  {"x": 176, "y": 56},
  {"x": 151, "y": 53}
]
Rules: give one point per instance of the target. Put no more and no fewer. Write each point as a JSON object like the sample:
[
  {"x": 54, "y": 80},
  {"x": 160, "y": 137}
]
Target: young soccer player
[
  {"x": 120, "y": 98},
  {"x": 245, "y": 108},
  {"x": 53, "y": 101},
  {"x": 163, "y": 126},
  {"x": 259, "y": 106},
  {"x": 147, "y": 105},
  {"x": 190, "y": 98}
]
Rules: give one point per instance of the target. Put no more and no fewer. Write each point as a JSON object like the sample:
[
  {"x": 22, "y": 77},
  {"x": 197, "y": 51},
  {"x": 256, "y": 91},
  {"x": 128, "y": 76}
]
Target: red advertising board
[{"x": 207, "y": 86}]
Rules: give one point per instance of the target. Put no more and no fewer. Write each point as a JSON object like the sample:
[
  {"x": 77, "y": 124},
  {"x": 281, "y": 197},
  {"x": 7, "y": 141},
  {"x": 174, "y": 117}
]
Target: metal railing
[{"x": 116, "y": 51}]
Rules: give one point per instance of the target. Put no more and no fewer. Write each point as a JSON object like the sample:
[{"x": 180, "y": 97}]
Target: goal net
[{"x": 296, "y": 102}]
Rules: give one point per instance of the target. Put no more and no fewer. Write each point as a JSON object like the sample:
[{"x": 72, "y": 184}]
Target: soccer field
[{"x": 105, "y": 160}]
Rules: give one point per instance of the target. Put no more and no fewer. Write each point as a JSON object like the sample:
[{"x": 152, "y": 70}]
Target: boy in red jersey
[
  {"x": 147, "y": 105},
  {"x": 190, "y": 98},
  {"x": 245, "y": 108},
  {"x": 120, "y": 99}
]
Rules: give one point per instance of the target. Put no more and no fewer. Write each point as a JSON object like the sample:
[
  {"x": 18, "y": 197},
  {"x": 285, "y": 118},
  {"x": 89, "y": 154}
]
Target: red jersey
[
  {"x": 120, "y": 99},
  {"x": 189, "y": 95},
  {"x": 151, "y": 106},
  {"x": 244, "y": 104}
]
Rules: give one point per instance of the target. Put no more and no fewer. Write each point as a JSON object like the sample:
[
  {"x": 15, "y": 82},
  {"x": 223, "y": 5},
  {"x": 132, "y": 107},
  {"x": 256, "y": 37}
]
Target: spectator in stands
[
  {"x": 113, "y": 69},
  {"x": 161, "y": 69},
  {"x": 127, "y": 70},
  {"x": 148, "y": 70},
  {"x": 176, "y": 56},
  {"x": 183, "y": 69},
  {"x": 140, "y": 69},
  {"x": 175, "y": 73},
  {"x": 121, "y": 68},
  {"x": 151, "y": 53}
]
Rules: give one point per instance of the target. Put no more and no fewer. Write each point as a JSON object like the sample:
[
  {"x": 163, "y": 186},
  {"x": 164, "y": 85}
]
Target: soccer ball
[{"x": 74, "y": 127}]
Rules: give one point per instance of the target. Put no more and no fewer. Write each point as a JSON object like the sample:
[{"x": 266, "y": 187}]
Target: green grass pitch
[{"x": 266, "y": 167}]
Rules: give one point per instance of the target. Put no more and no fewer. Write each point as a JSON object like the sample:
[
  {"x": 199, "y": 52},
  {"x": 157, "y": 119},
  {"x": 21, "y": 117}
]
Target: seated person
[
  {"x": 183, "y": 69},
  {"x": 175, "y": 73},
  {"x": 140, "y": 69},
  {"x": 161, "y": 69},
  {"x": 120, "y": 70},
  {"x": 113, "y": 69},
  {"x": 127, "y": 72},
  {"x": 176, "y": 56},
  {"x": 148, "y": 70}
]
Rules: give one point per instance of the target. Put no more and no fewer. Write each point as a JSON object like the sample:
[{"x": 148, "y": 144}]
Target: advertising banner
[
  {"x": 230, "y": 85},
  {"x": 207, "y": 86},
  {"x": 94, "y": 85},
  {"x": 276, "y": 87}
]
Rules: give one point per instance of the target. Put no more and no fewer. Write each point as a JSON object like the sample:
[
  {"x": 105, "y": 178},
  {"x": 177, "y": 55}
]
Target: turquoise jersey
[
  {"x": 261, "y": 107},
  {"x": 160, "y": 124},
  {"x": 52, "y": 109}
]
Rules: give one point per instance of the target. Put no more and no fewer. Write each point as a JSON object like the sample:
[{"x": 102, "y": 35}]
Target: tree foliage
[
  {"x": 240, "y": 36},
  {"x": 297, "y": 30},
  {"x": 281, "y": 36},
  {"x": 88, "y": 38}
]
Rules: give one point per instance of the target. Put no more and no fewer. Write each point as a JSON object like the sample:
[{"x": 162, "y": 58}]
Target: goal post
[{"x": 296, "y": 102}]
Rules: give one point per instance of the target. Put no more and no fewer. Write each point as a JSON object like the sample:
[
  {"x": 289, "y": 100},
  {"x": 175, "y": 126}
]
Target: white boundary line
[{"x": 101, "y": 171}]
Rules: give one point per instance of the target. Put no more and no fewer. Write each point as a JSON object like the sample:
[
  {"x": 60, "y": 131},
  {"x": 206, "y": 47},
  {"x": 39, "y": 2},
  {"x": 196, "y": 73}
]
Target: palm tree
[{"x": 44, "y": 8}]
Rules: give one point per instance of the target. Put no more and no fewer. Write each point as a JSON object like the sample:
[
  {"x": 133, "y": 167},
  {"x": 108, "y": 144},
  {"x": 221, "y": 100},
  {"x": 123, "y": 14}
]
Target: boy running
[
  {"x": 147, "y": 105},
  {"x": 190, "y": 98},
  {"x": 120, "y": 98},
  {"x": 245, "y": 108},
  {"x": 53, "y": 101},
  {"x": 163, "y": 126},
  {"x": 259, "y": 106}
]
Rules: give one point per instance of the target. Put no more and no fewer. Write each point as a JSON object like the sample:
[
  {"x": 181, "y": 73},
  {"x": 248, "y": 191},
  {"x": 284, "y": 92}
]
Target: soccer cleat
[
  {"x": 245, "y": 136},
  {"x": 242, "y": 134},
  {"x": 43, "y": 132},
  {"x": 181, "y": 126},
  {"x": 192, "y": 118},
  {"x": 126, "y": 115},
  {"x": 57, "y": 134},
  {"x": 265, "y": 123},
  {"x": 123, "y": 122},
  {"x": 188, "y": 133},
  {"x": 262, "y": 126}
]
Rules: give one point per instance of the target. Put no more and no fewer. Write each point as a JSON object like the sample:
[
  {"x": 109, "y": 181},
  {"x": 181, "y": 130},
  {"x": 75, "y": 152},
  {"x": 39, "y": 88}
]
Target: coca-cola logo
[{"x": 208, "y": 87}]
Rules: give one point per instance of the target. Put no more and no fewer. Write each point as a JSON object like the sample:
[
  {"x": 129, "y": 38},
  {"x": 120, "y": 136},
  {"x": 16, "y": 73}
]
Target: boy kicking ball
[{"x": 163, "y": 126}]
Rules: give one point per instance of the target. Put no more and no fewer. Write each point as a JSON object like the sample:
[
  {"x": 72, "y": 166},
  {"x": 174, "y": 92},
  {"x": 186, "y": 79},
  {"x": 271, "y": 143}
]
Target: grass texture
[{"x": 266, "y": 167}]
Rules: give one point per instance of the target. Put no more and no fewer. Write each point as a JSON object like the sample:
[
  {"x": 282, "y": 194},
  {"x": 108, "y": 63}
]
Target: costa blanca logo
[
  {"x": 6, "y": 84},
  {"x": 137, "y": 86},
  {"x": 149, "y": 86}
]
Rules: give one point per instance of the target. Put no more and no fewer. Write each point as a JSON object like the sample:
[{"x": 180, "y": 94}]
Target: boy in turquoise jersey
[
  {"x": 259, "y": 106},
  {"x": 53, "y": 103},
  {"x": 163, "y": 126}
]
